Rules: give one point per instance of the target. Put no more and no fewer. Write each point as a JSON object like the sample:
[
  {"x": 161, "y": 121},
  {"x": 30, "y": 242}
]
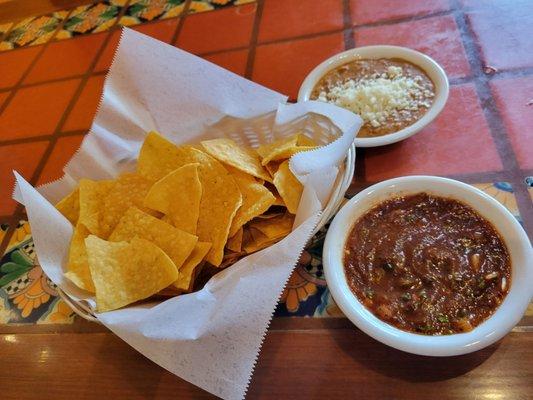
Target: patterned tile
[
  {"x": 140, "y": 11},
  {"x": 27, "y": 296},
  {"x": 92, "y": 18},
  {"x": 32, "y": 31},
  {"x": 197, "y": 6},
  {"x": 4, "y": 28}
]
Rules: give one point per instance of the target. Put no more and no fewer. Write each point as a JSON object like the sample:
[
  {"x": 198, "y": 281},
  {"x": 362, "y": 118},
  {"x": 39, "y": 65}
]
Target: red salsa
[{"x": 427, "y": 264}]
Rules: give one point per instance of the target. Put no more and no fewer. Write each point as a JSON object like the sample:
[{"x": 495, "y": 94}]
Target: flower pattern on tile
[
  {"x": 32, "y": 31},
  {"x": 503, "y": 192},
  {"x": 26, "y": 294},
  {"x": 208, "y": 5},
  {"x": 140, "y": 11},
  {"x": 327, "y": 307},
  {"x": 92, "y": 18}
]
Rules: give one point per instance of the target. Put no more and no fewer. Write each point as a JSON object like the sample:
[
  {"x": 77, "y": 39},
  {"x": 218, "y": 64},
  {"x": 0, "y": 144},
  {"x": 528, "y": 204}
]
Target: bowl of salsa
[
  {"x": 397, "y": 91},
  {"x": 429, "y": 265}
]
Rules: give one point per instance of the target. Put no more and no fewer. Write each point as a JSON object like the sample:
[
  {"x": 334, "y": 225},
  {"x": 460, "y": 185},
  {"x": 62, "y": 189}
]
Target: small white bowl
[
  {"x": 427, "y": 64},
  {"x": 494, "y": 328}
]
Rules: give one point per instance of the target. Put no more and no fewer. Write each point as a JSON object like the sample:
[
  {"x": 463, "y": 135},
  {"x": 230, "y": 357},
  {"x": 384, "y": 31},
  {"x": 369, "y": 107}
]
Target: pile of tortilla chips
[{"x": 185, "y": 209}]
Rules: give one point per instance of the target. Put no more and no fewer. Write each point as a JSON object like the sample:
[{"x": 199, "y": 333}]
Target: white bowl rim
[
  {"x": 491, "y": 330},
  {"x": 429, "y": 65}
]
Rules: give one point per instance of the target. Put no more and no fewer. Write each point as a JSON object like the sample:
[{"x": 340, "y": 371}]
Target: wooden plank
[{"x": 319, "y": 363}]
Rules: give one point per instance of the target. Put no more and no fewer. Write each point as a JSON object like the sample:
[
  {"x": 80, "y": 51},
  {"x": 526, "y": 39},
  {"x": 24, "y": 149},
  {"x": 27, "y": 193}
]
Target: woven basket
[{"x": 252, "y": 132}]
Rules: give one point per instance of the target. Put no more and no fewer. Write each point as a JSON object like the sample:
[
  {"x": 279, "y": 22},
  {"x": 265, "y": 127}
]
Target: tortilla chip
[
  {"x": 221, "y": 196},
  {"x": 92, "y": 196},
  {"x": 242, "y": 158},
  {"x": 256, "y": 199},
  {"x": 69, "y": 206},
  {"x": 185, "y": 279},
  {"x": 257, "y": 241},
  {"x": 129, "y": 189},
  {"x": 289, "y": 188},
  {"x": 78, "y": 264},
  {"x": 274, "y": 228},
  {"x": 177, "y": 244},
  {"x": 125, "y": 272},
  {"x": 304, "y": 140},
  {"x": 283, "y": 148},
  {"x": 235, "y": 242},
  {"x": 272, "y": 167},
  {"x": 177, "y": 195}
]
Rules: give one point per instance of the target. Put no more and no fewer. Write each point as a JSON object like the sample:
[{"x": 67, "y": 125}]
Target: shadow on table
[{"x": 409, "y": 367}]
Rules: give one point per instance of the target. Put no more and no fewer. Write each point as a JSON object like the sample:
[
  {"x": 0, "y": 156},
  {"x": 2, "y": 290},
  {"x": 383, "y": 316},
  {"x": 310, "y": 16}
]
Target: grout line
[
  {"x": 349, "y": 37},
  {"x": 181, "y": 21},
  {"x": 260, "y": 5}
]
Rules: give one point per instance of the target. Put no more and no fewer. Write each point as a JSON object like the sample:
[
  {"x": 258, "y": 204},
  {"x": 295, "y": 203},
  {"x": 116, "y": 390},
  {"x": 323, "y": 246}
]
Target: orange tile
[
  {"x": 161, "y": 30},
  {"x": 106, "y": 57},
  {"x": 438, "y": 37},
  {"x": 217, "y": 30},
  {"x": 66, "y": 58},
  {"x": 285, "y": 19},
  {"x": 512, "y": 97},
  {"x": 3, "y": 96},
  {"x": 13, "y": 64},
  {"x": 366, "y": 12},
  {"x": 36, "y": 110},
  {"x": 504, "y": 33},
  {"x": 24, "y": 159},
  {"x": 84, "y": 109},
  {"x": 63, "y": 151},
  {"x": 458, "y": 141},
  {"x": 283, "y": 66},
  {"x": 234, "y": 61}
]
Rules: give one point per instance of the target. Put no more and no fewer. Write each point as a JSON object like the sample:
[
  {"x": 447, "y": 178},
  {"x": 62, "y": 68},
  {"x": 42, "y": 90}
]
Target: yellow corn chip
[
  {"x": 177, "y": 244},
  {"x": 235, "y": 242},
  {"x": 257, "y": 241},
  {"x": 128, "y": 190},
  {"x": 69, "y": 206},
  {"x": 92, "y": 196},
  {"x": 230, "y": 153},
  {"x": 187, "y": 271},
  {"x": 274, "y": 228},
  {"x": 125, "y": 272},
  {"x": 284, "y": 148},
  {"x": 306, "y": 141},
  {"x": 256, "y": 199},
  {"x": 177, "y": 195},
  {"x": 272, "y": 167},
  {"x": 78, "y": 263},
  {"x": 221, "y": 196},
  {"x": 289, "y": 188}
]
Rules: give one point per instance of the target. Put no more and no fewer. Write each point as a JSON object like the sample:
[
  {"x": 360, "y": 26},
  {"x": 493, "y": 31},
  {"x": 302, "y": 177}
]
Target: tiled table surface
[{"x": 51, "y": 80}]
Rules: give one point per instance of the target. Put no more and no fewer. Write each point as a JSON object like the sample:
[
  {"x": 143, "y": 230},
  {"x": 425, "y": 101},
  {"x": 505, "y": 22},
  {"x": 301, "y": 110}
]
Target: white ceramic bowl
[
  {"x": 495, "y": 327},
  {"x": 427, "y": 64}
]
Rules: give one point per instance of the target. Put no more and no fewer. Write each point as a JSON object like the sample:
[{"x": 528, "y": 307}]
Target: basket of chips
[{"x": 180, "y": 218}]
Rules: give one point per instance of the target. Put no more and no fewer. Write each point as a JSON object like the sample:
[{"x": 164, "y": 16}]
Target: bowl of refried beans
[{"x": 397, "y": 91}]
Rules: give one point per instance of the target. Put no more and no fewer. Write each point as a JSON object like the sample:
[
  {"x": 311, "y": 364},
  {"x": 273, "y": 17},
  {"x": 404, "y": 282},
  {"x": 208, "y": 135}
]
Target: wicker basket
[{"x": 252, "y": 132}]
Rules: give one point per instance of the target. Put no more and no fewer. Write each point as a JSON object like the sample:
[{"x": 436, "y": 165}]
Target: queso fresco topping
[
  {"x": 427, "y": 264},
  {"x": 388, "y": 94}
]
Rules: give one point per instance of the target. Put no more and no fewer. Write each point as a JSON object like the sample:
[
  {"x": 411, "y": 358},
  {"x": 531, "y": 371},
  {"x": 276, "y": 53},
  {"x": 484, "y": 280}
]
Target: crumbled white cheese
[{"x": 379, "y": 97}]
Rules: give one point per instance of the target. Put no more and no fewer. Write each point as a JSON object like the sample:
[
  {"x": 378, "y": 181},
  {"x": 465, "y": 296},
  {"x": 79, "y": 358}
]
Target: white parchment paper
[{"x": 212, "y": 337}]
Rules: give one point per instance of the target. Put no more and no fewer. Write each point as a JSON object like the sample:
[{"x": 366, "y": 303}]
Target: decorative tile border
[{"x": 32, "y": 31}]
